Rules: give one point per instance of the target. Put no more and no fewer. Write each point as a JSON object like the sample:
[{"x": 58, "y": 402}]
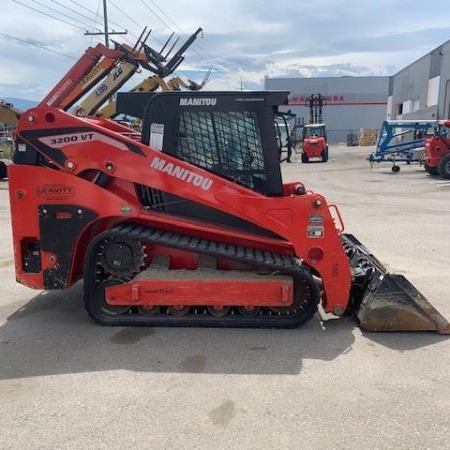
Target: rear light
[{"x": 315, "y": 254}]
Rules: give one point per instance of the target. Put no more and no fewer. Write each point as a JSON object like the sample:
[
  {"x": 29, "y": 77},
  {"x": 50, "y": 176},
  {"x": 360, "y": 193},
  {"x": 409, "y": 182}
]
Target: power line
[
  {"x": 48, "y": 15},
  {"x": 153, "y": 12},
  {"x": 35, "y": 44},
  {"x": 125, "y": 14},
  {"x": 166, "y": 16},
  {"x": 96, "y": 14},
  {"x": 209, "y": 56},
  {"x": 133, "y": 21},
  {"x": 59, "y": 12},
  {"x": 106, "y": 32},
  {"x": 76, "y": 12},
  {"x": 92, "y": 12},
  {"x": 95, "y": 22},
  {"x": 128, "y": 17}
]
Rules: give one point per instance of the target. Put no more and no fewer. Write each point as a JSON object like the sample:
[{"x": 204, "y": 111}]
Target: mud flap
[{"x": 387, "y": 302}]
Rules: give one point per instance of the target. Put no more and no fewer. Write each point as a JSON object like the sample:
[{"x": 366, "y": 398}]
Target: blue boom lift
[{"x": 401, "y": 141}]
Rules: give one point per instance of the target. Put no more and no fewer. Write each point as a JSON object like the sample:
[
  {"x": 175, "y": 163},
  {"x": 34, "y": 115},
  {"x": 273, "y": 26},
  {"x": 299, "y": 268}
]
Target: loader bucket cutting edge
[{"x": 388, "y": 302}]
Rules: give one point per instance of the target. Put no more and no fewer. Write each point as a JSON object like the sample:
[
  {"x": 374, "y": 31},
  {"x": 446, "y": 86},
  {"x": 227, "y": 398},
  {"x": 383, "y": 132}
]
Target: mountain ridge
[{"x": 21, "y": 104}]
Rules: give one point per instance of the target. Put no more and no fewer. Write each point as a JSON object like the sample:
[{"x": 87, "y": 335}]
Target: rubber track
[{"x": 285, "y": 264}]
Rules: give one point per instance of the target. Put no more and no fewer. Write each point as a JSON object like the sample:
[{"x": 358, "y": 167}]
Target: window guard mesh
[{"x": 227, "y": 143}]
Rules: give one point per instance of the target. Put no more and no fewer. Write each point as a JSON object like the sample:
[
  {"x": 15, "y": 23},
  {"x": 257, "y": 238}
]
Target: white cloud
[{"x": 245, "y": 39}]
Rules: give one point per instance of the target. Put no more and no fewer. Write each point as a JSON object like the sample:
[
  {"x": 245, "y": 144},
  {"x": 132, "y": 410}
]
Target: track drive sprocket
[{"x": 122, "y": 257}]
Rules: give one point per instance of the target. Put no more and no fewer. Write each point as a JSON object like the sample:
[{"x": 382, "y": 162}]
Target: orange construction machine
[
  {"x": 188, "y": 223},
  {"x": 192, "y": 225}
]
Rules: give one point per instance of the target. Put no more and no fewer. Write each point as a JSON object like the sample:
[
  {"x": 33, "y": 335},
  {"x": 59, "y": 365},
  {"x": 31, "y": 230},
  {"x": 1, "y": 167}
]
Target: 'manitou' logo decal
[
  {"x": 198, "y": 101},
  {"x": 181, "y": 173}
]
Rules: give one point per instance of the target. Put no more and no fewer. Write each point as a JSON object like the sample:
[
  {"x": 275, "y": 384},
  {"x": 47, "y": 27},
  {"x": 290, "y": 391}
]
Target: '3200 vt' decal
[{"x": 71, "y": 138}]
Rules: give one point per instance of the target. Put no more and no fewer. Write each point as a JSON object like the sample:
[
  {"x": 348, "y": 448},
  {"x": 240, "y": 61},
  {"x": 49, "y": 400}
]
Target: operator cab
[
  {"x": 283, "y": 134},
  {"x": 314, "y": 130},
  {"x": 231, "y": 134}
]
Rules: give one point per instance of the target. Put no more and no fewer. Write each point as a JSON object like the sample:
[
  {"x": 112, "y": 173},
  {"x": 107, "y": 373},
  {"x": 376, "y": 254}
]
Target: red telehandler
[
  {"x": 94, "y": 65},
  {"x": 437, "y": 151},
  {"x": 315, "y": 144}
]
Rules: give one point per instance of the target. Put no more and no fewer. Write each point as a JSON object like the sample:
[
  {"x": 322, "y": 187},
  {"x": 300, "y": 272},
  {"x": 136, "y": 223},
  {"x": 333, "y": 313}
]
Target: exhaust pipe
[{"x": 387, "y": 302}]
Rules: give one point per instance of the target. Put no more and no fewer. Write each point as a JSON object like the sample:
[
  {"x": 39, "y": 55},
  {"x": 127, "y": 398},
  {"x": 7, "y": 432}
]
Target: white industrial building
[
  {"x": 422, "y": 89},
  {"x": 351, "y": 103},
  {"x": 419, "y": 91}
]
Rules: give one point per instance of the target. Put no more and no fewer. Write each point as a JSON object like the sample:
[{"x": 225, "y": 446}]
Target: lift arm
[
  {"x": 96, "y": 63},
  {"x": 86, "y": 72}
]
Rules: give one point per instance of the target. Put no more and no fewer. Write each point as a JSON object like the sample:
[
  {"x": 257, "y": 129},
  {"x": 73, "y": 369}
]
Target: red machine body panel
[
  {"x": 436, "y": 147},
  {"x": 91, "y": 200},
  {"x": 314, "y": 147},
  {"x": 217, "y": 292},
  {"x": 303, "y": 222}
]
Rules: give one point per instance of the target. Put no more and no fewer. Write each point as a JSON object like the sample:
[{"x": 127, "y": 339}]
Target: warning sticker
[
  {"x": 315, "y": 231},
  {"x": 316, "y": 219},
  {"x": 157, "y": 136}
]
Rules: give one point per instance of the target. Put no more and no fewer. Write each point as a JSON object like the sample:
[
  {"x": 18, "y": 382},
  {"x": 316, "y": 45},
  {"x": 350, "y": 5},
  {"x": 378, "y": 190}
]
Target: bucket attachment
[{"x": 387, "y": 302}]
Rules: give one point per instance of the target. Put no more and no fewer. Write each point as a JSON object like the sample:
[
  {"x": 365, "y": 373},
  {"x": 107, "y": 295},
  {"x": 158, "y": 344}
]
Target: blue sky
[{"x": 243, "y": 39}]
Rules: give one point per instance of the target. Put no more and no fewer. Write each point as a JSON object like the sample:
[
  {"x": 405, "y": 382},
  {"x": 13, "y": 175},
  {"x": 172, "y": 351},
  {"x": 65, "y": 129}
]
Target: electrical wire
[
  {"x": 78, "y": 13},
  {"x": 96, "y": 14},
  {"x": 166, "y": 16},
  {"x": 129, "y": 18},
  {"x": 35, "y": 44},
  {"x": 95, "y": 22},
  {"x": 61, "y": 13},
  {"x": 125, "y": 14},
  {"x": 133, "y": 21},
  {"x": 48, "y": 15},
  {"x": 92, "y": 12},
  {"x": 153, "y": 12},
  {"x": 209, "y": 56}
]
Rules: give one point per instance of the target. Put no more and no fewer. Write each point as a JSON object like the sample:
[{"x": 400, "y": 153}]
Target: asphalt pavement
[{"x": 67, "y": 383}]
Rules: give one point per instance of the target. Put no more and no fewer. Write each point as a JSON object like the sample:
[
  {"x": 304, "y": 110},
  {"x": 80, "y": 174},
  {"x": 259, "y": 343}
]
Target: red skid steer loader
[{"x": 191, "y": 225}]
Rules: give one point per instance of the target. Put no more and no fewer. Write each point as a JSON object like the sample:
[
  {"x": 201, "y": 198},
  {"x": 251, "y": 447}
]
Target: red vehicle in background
[
  {"x": 314, "y": 134},
  {"x": 437, "y": 151},
  {"x": 314, "y": 142}
]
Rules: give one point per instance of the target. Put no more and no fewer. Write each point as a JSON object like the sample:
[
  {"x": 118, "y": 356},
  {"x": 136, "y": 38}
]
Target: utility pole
[{"x": 106, "y": 31}]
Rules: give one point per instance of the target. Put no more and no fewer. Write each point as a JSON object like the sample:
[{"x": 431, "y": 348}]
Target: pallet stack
[{"x": 367, "y": 136}]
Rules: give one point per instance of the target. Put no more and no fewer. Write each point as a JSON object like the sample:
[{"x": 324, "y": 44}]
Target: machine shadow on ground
[
  {"x": 52, "y": 334},
  {"x": 405, "y": 341},
  {"x": 404, "y": 170}
]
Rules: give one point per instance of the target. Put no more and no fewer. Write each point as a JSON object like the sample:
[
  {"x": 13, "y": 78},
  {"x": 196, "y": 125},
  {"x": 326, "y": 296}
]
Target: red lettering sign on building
[{"x": 296, "y": 99}]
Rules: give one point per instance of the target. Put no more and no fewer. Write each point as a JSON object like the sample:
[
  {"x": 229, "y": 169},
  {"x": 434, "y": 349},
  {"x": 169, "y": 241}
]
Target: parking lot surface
[{"x": 66, "y": 382}]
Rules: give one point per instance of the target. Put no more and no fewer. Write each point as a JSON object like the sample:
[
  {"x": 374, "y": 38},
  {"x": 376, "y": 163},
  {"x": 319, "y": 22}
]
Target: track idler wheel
[
  {"x": 178, "y": 311},
  {"x": 148, "y": 311},
  {"x": 101, "y": 303},
  {"x": 251, "y": 311},
  {"x": 218, "y": 312}
]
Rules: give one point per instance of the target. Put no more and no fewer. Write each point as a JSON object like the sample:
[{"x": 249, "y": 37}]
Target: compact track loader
[{"x": 191, "y": 225}]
